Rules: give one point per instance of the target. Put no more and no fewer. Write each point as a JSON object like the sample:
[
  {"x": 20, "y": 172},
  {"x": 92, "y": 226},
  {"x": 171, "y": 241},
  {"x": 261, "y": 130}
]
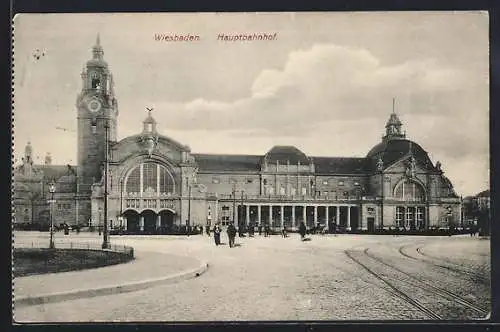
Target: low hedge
[{"x": 33, "y": 261}]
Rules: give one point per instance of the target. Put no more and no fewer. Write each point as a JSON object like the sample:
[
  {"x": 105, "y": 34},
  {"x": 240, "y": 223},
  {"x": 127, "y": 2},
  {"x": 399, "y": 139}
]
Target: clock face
[{"x": 94, "y": 105}]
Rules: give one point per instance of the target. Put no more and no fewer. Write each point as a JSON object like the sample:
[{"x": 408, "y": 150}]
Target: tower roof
[
  {"x": 393, "y": 120},
  {"x": 97, "y": 55},
  {"x": 149, "y": 118}
]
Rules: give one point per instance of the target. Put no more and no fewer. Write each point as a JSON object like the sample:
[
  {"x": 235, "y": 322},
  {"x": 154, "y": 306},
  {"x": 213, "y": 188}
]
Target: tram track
[
  {"x": 395, "y": 290},
  {"x": 444, "y": 264},
  {"x": 403, "y": 284}
]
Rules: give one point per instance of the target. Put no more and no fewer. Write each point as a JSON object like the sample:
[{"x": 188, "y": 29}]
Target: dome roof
[
  {"x": 97, "y": 63},
  {"x": 284, "y": 154},
  {"x": 394, "y": 149}
]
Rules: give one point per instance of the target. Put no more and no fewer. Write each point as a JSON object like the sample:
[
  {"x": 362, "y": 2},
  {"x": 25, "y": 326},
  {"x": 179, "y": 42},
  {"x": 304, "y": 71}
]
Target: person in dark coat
[
  {"x": 284, "y": 231},
  {"x": 302, "y": 230},
  {"x": 217, "y": 232},
  {"x": 231, "y": 234}
]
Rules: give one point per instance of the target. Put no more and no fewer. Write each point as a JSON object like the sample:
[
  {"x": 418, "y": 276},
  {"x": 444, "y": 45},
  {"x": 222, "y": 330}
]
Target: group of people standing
[
  {"x": 231, "y": 234},
  {"x": 232, "y": 231}
]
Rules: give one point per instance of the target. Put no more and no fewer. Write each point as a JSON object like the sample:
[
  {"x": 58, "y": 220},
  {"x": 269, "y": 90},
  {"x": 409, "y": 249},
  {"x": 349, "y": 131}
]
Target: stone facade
[{"x": 155, "y": 183}]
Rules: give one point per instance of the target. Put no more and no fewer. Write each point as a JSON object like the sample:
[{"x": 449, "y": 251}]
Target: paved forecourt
[
  {"x": 147, "y": 269},
  {"x": 271, "y": 278}
]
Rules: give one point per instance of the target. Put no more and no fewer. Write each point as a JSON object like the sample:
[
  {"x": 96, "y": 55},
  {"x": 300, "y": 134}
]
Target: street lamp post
[
  {"x": 234, "y": 203},
  {"x": 52, "y": 190},
  {"x": 105, "y": 240},
  {"x": 189, "y": 208},
  {"x": 121, "y": 204},
  {"x": 99, "y": 225}
]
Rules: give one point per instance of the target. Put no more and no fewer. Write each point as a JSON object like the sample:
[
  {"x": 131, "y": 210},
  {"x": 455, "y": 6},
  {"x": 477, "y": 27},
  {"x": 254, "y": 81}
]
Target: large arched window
[
  {"x": 150, "y": 178},
  {"x": 409, "y": 190}
]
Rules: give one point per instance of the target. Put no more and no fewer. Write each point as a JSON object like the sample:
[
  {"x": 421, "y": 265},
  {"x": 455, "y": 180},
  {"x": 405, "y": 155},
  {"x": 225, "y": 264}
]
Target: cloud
[{"x": 329, "y": 82}]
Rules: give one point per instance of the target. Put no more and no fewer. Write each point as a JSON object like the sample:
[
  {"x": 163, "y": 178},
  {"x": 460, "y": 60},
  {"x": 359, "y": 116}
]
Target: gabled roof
[
  {"x": 339, "y": 165},
  {"x": 218, "y": 162}
]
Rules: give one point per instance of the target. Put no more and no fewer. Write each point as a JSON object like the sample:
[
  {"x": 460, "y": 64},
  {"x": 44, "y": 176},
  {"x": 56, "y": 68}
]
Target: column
[
  {"x": 158, "y": 221},
  {"x": 141, "y": 172},
  {"x": 337, "y": 215},
  {"x": 141, "y": 223},
  {"x": 326, "y": 217},
  {"x": 259, "y": 214},
  {"x": 282, "y": 214},
  {"x": 304, "y": 214},
  {"x": 125, "y": 223},
  {"x": 315, "y": 215},
  {"x": 158, "y": 179},
  {"x": 247, "y": 211},
  {"x": 270, "y": 215},
  {"x": 293, "y": 215},
  {"x": 349, "y": 217}
]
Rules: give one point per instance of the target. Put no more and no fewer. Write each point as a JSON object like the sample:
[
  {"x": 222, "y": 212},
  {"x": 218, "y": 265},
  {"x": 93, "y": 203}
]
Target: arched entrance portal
[
  {"x": 167, "y": 221},
  {"x": 150, "y": 218},
  {"x": 132, "y": 218}
]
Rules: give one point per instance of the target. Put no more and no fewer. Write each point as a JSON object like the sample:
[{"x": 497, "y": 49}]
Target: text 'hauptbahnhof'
[{"x": 155, "y": 184}]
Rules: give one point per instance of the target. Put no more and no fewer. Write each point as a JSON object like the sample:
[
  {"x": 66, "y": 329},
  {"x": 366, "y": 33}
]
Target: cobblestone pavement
[{"x": 278, "y": 278}]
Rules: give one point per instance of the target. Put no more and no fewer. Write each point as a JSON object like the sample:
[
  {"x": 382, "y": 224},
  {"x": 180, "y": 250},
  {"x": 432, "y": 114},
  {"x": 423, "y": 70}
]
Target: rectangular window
[
  {"x": 399, "y": 216},
  {"x": 325, "y": 194},
  {"x": 341, "y": 183},
  {"x": 325, "y": 182},
  {"x": 249, "y": 180},
  {"x": 356, "y": 183},
  {"x": 371, "y": 210},
  {"x": 215, "y": 180},
  {"x": 304, "y": 191}
]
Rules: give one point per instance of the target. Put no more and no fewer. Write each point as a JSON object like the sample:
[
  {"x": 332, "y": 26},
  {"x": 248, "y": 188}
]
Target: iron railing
[{"x": 90, "y": 246}]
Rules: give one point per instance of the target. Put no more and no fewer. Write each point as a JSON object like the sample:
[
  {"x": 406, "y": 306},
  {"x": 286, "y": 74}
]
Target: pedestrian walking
[
  {"x": 217, "y": 232},
  {"x": 231, "y": 234},
  {"x": 208, "y": 230},
  {"x": 267, "y": 230},
  {"x": 284, "y": 232},
  {"x": 260, "y": 229},
  {"x": 302, "y": 230}
]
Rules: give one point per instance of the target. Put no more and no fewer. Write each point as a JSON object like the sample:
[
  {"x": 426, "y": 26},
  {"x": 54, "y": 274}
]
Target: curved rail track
[
  {"x": 415, "y": 283},
  {"x": 444, "y": 264}
]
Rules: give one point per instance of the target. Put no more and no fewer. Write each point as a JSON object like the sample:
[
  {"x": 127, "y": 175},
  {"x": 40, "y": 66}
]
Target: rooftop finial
[
  {"x": 393, "y": 105},
  {"x": 149, "y": 110},
  {"x": 98, "y": 39}
]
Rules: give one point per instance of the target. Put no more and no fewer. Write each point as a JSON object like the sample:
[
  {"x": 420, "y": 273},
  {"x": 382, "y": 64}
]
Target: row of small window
[
  {"x": 249, "y": 180},
  {"x": 64, "y": 206},
  {"x": 231, "y": 181}
]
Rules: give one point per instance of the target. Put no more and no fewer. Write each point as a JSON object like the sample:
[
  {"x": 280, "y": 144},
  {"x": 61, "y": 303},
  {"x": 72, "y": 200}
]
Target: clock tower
[{"x": 97, "y": 108}]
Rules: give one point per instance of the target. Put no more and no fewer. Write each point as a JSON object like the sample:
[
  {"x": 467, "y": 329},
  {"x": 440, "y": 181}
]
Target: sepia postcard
[{"x": 200, "y": 167}]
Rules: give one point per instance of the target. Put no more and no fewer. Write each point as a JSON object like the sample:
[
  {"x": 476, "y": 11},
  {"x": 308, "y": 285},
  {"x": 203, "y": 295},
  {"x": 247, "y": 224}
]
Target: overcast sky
[{"x": 325, "y": 84}]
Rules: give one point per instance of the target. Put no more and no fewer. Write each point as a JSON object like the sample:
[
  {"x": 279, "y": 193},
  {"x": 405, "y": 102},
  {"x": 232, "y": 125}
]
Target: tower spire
[
  {"x": 393, "y": 126},
  {"x": 97, "y": 50}
]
